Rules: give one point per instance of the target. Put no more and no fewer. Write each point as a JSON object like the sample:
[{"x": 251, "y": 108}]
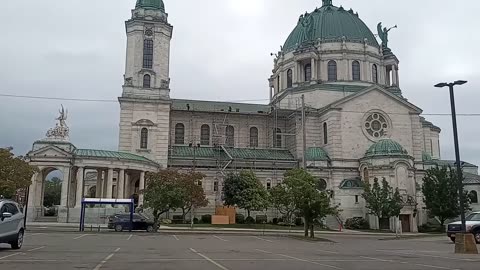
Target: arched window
[
  {"x": 179, "y": 134},
  {"x": 365, "y": 175},
  {"x": 325, "y": 133},
  {"x": 356, "y": 71},
  {"x": 146, "y": 81},
  {"x": 473, "y": 196},
  {"x": 322, "y": 185},
  {"x": 205, "y": 135},
  {"x": 147, "y": 53},
  {"x": 308, "y": 72},
  {"x": 289, "y": 78},
  {"x": 277, "y": 138},
  {"x": 253, "y": 137},
  {"x": 144, "y": 138},
  {"x": 230, "y": 136},
  {"x": 332, "y": 71},
  {"x": 374, "y": 73}
]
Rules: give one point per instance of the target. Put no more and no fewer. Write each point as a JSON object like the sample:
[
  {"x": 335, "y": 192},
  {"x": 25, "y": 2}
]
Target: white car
[
  {"x": 11, "y": 224},
  {"x": 473, "y": 227}
]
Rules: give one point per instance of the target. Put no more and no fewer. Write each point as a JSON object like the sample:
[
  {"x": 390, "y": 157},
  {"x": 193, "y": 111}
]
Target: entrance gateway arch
[{"x": 113, "y": 175}]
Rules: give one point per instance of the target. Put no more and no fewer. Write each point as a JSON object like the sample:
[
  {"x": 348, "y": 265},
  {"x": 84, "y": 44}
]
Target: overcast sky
[{"x": 220, "y": 51}]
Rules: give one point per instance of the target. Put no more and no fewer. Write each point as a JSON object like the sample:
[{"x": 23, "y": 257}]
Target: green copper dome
[
  {"x": 386, "y": 147},
  {"x": 329, "y": 23},
  {"x": 316, "y": 154},
  {"x": 150, "y": 4}
]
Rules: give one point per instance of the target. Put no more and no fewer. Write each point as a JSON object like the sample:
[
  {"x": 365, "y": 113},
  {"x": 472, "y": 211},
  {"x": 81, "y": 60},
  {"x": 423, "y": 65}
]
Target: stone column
[
  {"x": 397, "y": 78},
  {"x": 105, "y": 184},
  {"x": 65, "y": 189},
  {"x": 141, "y": 187},
  {"x": 314, "y": 69},
  {"x": 110, "y": 183},
  {"x": 394, "y": 76},
  {"x": 98, "y": 191},
  {"x": 121, "y": 184},
  {"x": 296, "y": 72},
  {"x": 79, "y": 194},
  {"x": 31, "y": 191},
  {"x": 127, "y": 186}
]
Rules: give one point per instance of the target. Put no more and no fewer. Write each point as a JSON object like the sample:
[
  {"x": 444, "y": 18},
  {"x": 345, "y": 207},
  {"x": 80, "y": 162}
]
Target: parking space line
[
  {"x": 176, "y": 238},
  {"x": 11, "y": 255},
  {"x": 417, "y": 264},
  {"x": 376, "y": 259},
  {"x": 327, "y": 251},
  {"x": 437, "y": 267},
  {"x": 208, "y": 259},
  {"x": 299, "y": 259},
  {"x": 105, "y": 260},
  {"x": 218, "y": 237},
  {"x": 425, "y": 255},
  {"x": 130, "y": 237},
  {"x": 263, "y": 239},
  {"x": 81, "y": 236},
  {"x": 33, "y": 249},
  {"x": 33, "y": 234}
]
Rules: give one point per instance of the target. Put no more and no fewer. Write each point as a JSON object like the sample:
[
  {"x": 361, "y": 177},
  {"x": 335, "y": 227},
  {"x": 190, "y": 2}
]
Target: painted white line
[
  {"x": 224, "y": 240},
  {"x": 78, "y": 237},
  {"x": 33, "y": 249},
  {"x": 11, "y": 255},
  {"x": 105, "y": 260},
  {"x": 33, "y": 234},
  {"x": 298, "y": 259},
  {"x": 375, "y": 259},
  {"x": 263, "y": 239},
  {"x": 425, "y": 255},
  {"x": 176, "y": 238},
  {"x": 327, "y": 251},
  {"x": 437, "y": 267},
  {"x": 261, "y": 250},
  {"x": 23, "y": 261},
  {"x": 209, "y": 260},
  {"x": 130, "y": 237}
]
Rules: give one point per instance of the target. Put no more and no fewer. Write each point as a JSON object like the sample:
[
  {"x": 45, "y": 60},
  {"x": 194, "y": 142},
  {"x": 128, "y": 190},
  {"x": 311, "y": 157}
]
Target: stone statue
[
  {"x": 61, "y": 130},
  {"x": 383, "y": 34},
  {"x": 308, "y": 26},
  {"x": 63, "y": 117}
]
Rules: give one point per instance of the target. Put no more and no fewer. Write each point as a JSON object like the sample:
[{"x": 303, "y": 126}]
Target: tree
[
  {"x": 53, "y": 192},
  {"x": 244, "y": 190},
  {"x": 15, "y": 173},
  {"x": 283, "y": 200},
  {"x": 310, "y": 203},
  {"x": 163, "y": 193},
  {"x": 193, "y": 195},
  {"x": 440, "y": 194},
  {"x": 383, "y": 201}
]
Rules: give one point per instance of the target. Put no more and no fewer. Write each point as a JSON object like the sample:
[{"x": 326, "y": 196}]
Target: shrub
[
  {"x": 357, "y": 223},
  {"x": 195, "y": 221},
  {"x": 177, "y": 219},
  {"x": 165, "y": 221},
  {"x": 249, "y": 220},
  {"x": 428, "y": 228},
  {"x": 298, "y": 221},
  {"x": 275, "y": 221},
  {"x": 240, "y": 219},
  {"x": 207, "y": 219},
  {"x": 261, "y": 219}
]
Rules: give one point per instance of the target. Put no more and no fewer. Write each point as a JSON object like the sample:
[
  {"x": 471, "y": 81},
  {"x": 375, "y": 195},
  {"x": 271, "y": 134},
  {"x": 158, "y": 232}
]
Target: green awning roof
[
  {"x": 237, "y": 153},
  {"x": 316, "y": 154},
  {"x": 90, "y": 153}
]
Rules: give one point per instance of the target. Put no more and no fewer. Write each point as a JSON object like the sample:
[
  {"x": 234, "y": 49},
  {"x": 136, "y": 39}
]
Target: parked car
[
  {"x": 11, "y": 224},
  {"x": 121, "y": 222},
  {"x": 473, "y": 226}
]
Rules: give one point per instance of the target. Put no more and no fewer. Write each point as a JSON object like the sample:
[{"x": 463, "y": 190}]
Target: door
[
  {"x": 7, "y": 225},
  {"x": 405, "y": 220}
]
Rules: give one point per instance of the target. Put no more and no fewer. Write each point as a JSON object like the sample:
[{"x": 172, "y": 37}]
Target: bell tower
[{"x": 145, "y": 100}]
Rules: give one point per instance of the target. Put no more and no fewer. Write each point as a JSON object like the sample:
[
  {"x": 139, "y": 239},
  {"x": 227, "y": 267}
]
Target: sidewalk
[{"x": 74, "y": 227}]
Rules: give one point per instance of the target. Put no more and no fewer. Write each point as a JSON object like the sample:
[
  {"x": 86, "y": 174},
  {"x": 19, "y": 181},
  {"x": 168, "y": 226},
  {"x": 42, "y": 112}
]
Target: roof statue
[
  {"x": 383, "y": 34},
  {"x": 61, "y": 131}
]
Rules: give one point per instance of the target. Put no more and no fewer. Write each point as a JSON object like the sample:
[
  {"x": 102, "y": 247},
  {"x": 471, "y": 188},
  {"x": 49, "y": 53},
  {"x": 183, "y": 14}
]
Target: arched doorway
[{"x": 51, "y": 192}]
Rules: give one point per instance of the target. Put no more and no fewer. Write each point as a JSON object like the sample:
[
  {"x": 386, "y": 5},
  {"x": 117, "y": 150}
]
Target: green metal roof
[
  {"x": 386, "y": 147},
  {"x": 471, "y": 179},
  {"x": 451, "y": 163},
  {"x": 236, "y": 153},
  {"x": 329, "y": 23},
  {"x": 316, "y": 154},
  {"x": 215, "y": 106},
  {"x": 110, "y": 154},
  {"x": 150, "y": 4},
  {"x": 426, "y": 156}
]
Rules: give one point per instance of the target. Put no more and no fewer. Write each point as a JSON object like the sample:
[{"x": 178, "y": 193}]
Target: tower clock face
[{"x": 149, "y": 32}]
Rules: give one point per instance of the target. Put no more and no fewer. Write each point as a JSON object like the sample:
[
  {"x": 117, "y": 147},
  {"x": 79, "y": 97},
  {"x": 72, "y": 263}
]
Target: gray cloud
[{"x": 220, "y": 51}]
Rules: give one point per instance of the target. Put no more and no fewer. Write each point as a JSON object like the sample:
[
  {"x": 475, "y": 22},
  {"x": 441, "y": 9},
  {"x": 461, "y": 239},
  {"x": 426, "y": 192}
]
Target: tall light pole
[{"x": 457, "y": 150}]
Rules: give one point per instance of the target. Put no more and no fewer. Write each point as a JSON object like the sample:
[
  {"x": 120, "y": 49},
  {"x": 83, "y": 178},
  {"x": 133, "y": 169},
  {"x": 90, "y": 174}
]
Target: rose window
[{"x": 376, "y": 125}]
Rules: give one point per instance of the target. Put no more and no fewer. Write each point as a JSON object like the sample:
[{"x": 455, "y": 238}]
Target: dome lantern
[
  {"x": 327, "y": 3},
  {"x": 151, "y": 4}
]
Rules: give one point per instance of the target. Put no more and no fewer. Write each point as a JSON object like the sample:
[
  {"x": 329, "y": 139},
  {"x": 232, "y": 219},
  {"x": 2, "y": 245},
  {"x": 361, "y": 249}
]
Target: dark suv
[
  {"x": 473, "y": 226},
  {"x": 121, "y": 222}
]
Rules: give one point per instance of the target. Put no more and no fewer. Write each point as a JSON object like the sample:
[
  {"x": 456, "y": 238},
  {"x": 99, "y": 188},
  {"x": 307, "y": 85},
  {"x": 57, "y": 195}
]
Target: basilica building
[{"x": 336, "y": 108}]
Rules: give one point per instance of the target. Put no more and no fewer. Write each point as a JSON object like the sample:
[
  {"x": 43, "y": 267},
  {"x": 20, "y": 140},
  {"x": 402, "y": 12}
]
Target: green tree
[
  {"x": 193, "y": 195},
  {"x": 53, "y": 192},
  {"x": 245, "y": 191},
  {"x": 283, "y": 200},
  {"x": 15, "y": 173},
  {"x": 310, "y": 203},
  {"x": 440, "y": 194},
  {"x": 383, "y": 201},
  {"x": 163, "y": 193}
]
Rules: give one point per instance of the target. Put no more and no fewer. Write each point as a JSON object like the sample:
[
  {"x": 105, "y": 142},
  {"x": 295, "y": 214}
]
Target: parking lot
[{"x": 51, "y": 250}]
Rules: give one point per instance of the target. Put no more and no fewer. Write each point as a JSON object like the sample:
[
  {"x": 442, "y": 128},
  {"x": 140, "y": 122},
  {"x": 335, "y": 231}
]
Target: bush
[
  {"x": 195, "y": 221},
  {"x": 261, "y": 219},
  {"x": 249, "y": 220},
  {"x": 429, "y": 228},
  {"x": 177, "y": 219},
  {"x": 207, "y": 219},
  {"x": 298, "y": 221},
  {"x": 239, "y": 219},
  {"x": 357, "y": 223},
  {"x": 275, "y": 221},
  {"x": 165, "y": 221}
]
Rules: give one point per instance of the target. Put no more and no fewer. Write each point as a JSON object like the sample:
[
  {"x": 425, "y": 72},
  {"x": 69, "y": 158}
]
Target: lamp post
[{"x": 457, "y": 150}]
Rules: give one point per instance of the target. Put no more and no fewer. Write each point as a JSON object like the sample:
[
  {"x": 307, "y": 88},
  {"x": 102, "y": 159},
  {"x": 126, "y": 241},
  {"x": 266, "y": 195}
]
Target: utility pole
[{"x": 304, "y": 133}]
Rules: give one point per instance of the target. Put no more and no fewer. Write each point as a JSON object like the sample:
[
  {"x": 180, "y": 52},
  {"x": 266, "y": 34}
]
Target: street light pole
[{"x": 457, "y": 149}]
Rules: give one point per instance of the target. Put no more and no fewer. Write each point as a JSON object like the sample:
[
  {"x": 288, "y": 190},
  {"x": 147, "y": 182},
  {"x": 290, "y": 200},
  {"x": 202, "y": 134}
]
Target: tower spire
[{"x": 327, "y": 3}]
